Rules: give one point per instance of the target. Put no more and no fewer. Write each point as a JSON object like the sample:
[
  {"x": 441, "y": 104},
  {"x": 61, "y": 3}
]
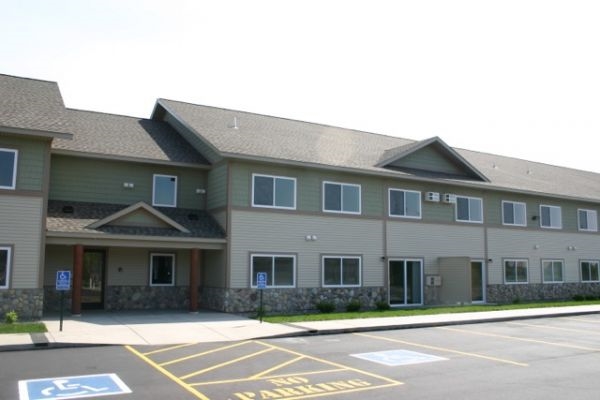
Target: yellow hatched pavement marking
[
  {"x": 253, "y": 379},
  {"x": 275, "y": 368},
  {"x": 520, "y": 339},
  {"x": 179, "y": 346},
  {"x": 169, "y": 375},
  {"x": 202, "y": 371},
  {"x": 445, "y": 350},
  {"x": 203, "y": 353}
]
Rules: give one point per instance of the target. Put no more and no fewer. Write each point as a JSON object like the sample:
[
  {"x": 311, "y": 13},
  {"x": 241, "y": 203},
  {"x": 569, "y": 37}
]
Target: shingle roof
[
  {"x": 266, "y": 137},
  {"x": 117, "y": 135},
  {"x": 200, "y": 223},
  {"x": 32, "y": 104}
]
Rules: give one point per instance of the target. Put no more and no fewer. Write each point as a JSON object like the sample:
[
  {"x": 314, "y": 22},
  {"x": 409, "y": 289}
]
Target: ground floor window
[
  {"x": 341, "y": 271},
  {"x": 280, "y": 269},
  {"x": 589, "y": 271},
  {"x": 515, "y": 271},
  {"x": 553, "y": 271},
  {"x": 4, "y": 267},
  {"x": 162, "y": 269}
]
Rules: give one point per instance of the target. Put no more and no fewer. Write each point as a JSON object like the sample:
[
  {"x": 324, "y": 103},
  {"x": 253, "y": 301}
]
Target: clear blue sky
[{"x": 518, "y": 78}]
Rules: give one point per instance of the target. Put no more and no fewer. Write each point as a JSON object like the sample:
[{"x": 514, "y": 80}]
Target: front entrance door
[
  {"x": 406, "y": 282},
  {"x": 92, "y": 285},
  {"x": 477, "y": 282}
]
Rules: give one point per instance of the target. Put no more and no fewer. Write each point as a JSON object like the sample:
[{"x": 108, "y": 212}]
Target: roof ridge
[
  {"x": 107, "y": 113},
  {"x": 29, "y": 78}
]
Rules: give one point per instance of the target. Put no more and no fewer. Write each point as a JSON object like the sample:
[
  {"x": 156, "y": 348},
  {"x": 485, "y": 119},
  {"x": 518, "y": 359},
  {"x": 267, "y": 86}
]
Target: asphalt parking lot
[{"x": 528, "y": 359}]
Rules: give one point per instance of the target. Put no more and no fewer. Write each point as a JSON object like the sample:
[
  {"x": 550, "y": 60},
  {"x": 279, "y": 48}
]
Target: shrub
[
  {"x": 326, "y": 307},
  {"x": 382, "y": 306},
  {"x": 11, "y": 317},
  {"x": 353, "y": 306},
  {"x": 579, "y": 297}
]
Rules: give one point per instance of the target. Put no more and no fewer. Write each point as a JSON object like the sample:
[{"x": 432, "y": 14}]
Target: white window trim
[
  {"x": 579, "y": 220},
  {"x": 359, "y": 258},
  {"x": 553, "y": 261},
  {"x": 505, "y": 260},
  {"x": 293, "y": 256},
  {"x": 152, "y": 255},
  {"x": 581, "y": 275},
  {"x": 514, "y": 202},
  {"x": 15, "y": 164},
  {"x": 274, "y": 177},
  {"x": 154, "y": 203},
  {"x": 468, "y": 221},
  {"x": 390, "y": 190},
  {"x": 560, "y": 217},
  {"x": 342, "y": 184},
  {"x": 8, "y": 250}
]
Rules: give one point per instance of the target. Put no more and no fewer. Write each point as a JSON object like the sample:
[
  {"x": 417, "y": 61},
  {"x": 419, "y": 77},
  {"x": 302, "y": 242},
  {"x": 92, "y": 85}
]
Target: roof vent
[
  {"x": 193, "y": 217},
  {"x": 68, "y": 209},
  {"x": 235, "y": 124}
]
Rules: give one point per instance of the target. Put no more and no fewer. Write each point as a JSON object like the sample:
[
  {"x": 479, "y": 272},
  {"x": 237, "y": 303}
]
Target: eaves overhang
[{"x": 36, "y": 133}]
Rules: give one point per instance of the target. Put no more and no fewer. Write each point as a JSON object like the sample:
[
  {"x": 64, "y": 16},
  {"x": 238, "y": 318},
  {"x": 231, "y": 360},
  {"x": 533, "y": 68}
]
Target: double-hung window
[
  {"x": 552, "y": 271},
  {"x": 341, "y": 197},
  {"x": 162, "y": 269},
  {"x": 280, "y": 269},
  {"x": 5, "y": 259},
  {"x": 341, "y": 271},
  {"x": 405, "y": 203},
  {"x": 590, "y": 271},
  {"x": 587, "y": 220},
  {"x": 514, "y": 213},
  {"x": 8, "y": 168},
  {"x": 515, "y": 271},
  {"x": 164, "y": 191},
  {"x": 273, "y": 191},
  {"x": 469, "y": 209},
  {"x": 550, "y": 217}
]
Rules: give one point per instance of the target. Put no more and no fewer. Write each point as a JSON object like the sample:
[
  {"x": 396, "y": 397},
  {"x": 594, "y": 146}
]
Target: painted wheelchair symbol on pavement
[{"x": 72, "y": 387}]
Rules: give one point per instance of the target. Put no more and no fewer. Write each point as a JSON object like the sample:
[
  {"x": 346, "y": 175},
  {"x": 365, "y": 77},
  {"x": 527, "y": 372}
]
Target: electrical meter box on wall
[{"x": 433, "y": 280}]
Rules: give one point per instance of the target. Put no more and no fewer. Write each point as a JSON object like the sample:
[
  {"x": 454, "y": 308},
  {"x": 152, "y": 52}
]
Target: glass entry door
[
  {"x": 406, "y": 282},
  {"x": 92, "y": 285},
  {"x": 477, "y": 282}
]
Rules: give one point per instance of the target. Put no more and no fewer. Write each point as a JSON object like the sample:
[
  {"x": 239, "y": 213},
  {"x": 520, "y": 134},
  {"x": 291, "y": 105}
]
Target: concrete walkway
[{"x": 172, "y": 327}]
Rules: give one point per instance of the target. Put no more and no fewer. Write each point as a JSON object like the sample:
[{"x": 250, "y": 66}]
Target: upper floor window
[
  {"x": 8, "y": 168},
  {"x": 550, "y": 217},
  {"x": 552, "y": 271},
  {"x": 280, "y": 269},
  {"x": 469, "y": 209},
  {"x": 341, "y": 271},
  {"x": 164, "y": 191},
  {"x": 273, "y": 191},
  {"x": 4, "y": 267},
  {"x": 590, "y": 271},
  {"x": 514, "y": 213},
  {"x": 341, "y": 197},
  {"x": 587, "y": 220},
  {"x": 162, "y": 269},
  {"x": 405, "y": 203}
]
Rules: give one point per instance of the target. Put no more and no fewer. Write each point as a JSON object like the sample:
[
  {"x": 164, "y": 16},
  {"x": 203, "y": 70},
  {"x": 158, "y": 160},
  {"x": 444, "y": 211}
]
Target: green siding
[
  {"x": 429, "y": 159},
  {"x": 31, "y": 158},
  {"x": 216, "y": 192},
  {"x": 90, "y": 180}
]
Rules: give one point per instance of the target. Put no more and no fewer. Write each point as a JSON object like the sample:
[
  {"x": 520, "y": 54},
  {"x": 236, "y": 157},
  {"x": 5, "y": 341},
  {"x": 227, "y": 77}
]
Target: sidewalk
[{"x": 173, "y": 327}]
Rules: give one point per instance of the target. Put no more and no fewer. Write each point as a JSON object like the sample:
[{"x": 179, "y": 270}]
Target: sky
[{"x": 515, "y": 78}]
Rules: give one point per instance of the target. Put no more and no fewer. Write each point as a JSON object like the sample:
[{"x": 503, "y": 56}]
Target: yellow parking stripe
[
  {"x": 203, "y": 353},
  {"x": 275, "y": 368},
  {"x": 558, "y": 328},
  {"x": 168, "y": 374},
  {"x": 202, "y": 371},
  {"x": 179, "y": 346},
  {"x": 566, "y": 345},
  {"x": 445, "y": 350}
]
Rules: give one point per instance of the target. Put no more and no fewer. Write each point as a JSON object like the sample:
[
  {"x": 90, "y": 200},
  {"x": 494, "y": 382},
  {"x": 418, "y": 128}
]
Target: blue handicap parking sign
[
  {"x": 63, "y": 280},
  {"x": 72, "y": 387},
  {"x": 261, "y": 280}
]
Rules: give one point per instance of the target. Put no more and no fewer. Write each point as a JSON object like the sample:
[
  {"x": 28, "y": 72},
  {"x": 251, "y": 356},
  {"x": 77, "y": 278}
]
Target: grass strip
[{"x": 23, "y": 327}]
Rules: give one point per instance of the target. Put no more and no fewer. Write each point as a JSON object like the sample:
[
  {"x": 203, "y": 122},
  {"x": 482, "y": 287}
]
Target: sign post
[
  {"x": 261, "y": 284},
  {"x": 63, "y": 283}
]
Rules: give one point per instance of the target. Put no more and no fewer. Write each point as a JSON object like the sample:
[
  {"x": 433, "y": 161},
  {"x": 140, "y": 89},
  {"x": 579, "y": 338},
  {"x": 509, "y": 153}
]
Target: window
[
  {"x": 273, "y": 191},
  {"x": 162, "y": 269},
  {"x": 469, "y": 209},
  {"x": 341, "y": 271},
  {"x": 4, "y": 267},
  {"x": 589, "y": 271},
  {"x": 341, "y": 197},
  {"x": 550, "y": 217},
  {"x": 8, "y": 168},
  {"x": 280, "y": 269},
  {"x": 405, "y": 203},
  {"x": 552, "y": 271},
  {"x": 587, "y": 220},
  {"x": 514, "y": 213},
  {"x": 515, "y": 271},
  {"x": 164, "y": 192}
]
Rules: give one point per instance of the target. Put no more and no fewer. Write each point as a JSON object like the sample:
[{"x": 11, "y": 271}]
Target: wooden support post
[{"x": 77, "y": 279}]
